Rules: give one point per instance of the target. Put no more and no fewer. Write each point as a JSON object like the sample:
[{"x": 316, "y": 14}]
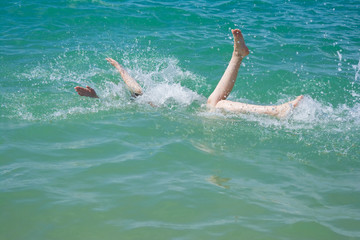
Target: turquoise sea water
[{"x": 117, "y": 168}]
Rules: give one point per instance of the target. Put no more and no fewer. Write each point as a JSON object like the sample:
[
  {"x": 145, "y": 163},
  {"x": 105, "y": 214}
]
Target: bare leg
[
  {"x": 133, "y": 86},
  {"x": 87, "y": 92},
  {"x": 279, "y": 111},
  {"x": 227, "y": 81}
]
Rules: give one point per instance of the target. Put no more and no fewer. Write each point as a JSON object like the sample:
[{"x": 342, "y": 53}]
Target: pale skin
[
  {"x": 217, "y": 99},
  {"x": 133, "y": 86}
]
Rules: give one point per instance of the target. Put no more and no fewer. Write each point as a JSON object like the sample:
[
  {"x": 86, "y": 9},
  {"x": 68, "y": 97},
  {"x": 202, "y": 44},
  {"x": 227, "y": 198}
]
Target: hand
[{"x": 113, "y": 62}]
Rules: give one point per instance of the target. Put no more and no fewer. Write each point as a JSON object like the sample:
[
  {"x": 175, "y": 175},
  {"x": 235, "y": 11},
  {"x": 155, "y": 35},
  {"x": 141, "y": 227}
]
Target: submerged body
[{"x": 217, "y": 99}]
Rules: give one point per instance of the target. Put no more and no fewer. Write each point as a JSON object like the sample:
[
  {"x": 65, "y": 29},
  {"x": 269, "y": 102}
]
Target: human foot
[
  {"x": 284, "y": 109},
  {"x": 86, "y": 92},
  {"x": 240, "y": 49}
]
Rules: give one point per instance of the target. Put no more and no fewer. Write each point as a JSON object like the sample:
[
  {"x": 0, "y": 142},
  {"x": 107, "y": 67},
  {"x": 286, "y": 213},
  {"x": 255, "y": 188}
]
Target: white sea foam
[
  {"x": 165, "y": 84},
  {"x": 164, "y": 93}
]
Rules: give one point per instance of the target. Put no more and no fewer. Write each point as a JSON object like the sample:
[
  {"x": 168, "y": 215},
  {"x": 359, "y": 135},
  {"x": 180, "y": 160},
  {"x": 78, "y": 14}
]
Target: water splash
[
  {"x": 357, "y": 70},
  {"x": 334, "y": 129},
  {"x": 340, "y": 58},
  {"x": 164, "y": 86},
  {"x": 47, "y": 89}
]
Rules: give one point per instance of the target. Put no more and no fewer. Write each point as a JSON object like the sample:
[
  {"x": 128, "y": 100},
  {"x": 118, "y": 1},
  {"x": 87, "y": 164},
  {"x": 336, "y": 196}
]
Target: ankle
[
  {"x": 237, "y": 54},
  {"x": 236, "y": 58}
]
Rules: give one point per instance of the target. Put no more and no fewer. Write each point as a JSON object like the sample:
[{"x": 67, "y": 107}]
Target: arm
[{"x": 133, "y": 86}]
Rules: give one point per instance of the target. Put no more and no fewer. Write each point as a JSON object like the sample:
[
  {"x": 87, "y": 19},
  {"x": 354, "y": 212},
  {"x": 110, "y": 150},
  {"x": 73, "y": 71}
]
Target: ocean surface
[{"x": 117, "y": 168}]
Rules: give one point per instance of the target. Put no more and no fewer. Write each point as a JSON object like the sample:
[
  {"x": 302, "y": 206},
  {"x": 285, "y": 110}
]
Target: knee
[
  {"x": 221, "y": 104},
  {"x": 217, "y": 104},
  {"x": 212, "y": 102}
]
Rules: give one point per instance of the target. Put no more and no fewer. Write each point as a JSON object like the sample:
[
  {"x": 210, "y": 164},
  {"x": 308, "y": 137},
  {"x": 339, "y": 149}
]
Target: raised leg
[
  {"x": 227, "y": 81},
  {"x": 133, "y": 86}
]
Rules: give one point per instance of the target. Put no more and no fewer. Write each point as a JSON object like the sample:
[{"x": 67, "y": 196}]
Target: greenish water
[{"x": 117, "y": 168}]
